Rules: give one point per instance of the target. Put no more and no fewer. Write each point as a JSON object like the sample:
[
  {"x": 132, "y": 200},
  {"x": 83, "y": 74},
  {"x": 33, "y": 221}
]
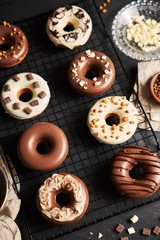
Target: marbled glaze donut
[
  {"x": 87, "y": 62},
  {"x": 13, "y": 45},
  {"x": 63, "y": 199},
  {"x": 25, "y": 84},
  {"x": 69, "y": 16},
  {"x": 42, "y": 133},
  {"x": 114, "y": 106},
  {"x": 125, "y": 161}
]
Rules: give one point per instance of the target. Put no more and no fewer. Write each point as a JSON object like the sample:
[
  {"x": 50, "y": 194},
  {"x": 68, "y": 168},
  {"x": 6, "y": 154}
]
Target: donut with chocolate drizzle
[
  {"x": 63, "y": 199},
  {"x": 124, "y": 162},
  {"x": 69, "y": 27},
  {"x": 91, "y": 73},
  {"x": 13, "y": 45}
]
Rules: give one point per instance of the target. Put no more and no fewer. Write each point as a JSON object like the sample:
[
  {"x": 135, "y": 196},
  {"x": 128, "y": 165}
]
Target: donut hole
[
  {"x": 112, "y": 119},
  {"x": 25, "y": 95},
  {"x": 136, "y": 172},
  {"x": 92, "y": 72},
  {"x": 63, "y": 199},
  {"x": 69, "y": 27},
  {"x": 43, "y": 147},
  {"x": 5, "y": 46}
]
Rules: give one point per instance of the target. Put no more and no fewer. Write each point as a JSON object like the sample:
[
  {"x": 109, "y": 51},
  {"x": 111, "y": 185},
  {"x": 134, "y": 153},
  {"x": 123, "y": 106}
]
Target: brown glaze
[
  {"x": 3, "y": 188},
  {"x": 13, "y": 45},
  {"x": 43, "y": 132},
  {"x": 125, "y": 161},
  {"x": 155, "y": 87},
  {"x": 91, "y": 61},
  {"x": 74, "y": 188}
]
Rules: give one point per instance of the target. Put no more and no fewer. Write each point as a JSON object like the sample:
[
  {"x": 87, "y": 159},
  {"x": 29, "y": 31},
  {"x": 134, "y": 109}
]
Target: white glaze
[
  {"x": 115, "y": 134},
  {"x": 24, "y": 83},
  {"x": 58, "y": 183},
  {"x": 79, "y": 25}
]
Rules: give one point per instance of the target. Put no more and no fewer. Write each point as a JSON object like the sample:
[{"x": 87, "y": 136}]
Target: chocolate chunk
[
  {"x": 124, "y": 238},
  {"x": 7, "y": 100},
  {"x": 16, "y": 78},
  {"x": 34, "y": 103},
  {"x": 36, "y": 84},
  {"x": 27, "y": 110},
  {"x": 16, "y": 106},
  {"x": 29, "y": 76},
  {"x": 119, "y": 228},
  {"x": 146, "y": 231},
  {"x": 7, "y": 88},
  {"x": 156, "y": 230},
  {"x": 42, "y": 94}
]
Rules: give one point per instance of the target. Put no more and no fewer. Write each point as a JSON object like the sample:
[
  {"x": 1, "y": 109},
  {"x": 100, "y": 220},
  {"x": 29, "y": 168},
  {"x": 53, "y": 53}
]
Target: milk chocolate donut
[
  {"x": 42, "y": 133},
  {"x": 125, "y": 161},
  {"x": 97, "y": 63},
  {"x": 63, "y": 199},
  {"x": 13, "y": 45},
  {"x": 77, "y": 21}
]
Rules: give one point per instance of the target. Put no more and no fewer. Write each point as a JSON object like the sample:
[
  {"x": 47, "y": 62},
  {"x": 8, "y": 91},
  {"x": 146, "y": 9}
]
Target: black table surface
[{"x": 149, "y": 215}]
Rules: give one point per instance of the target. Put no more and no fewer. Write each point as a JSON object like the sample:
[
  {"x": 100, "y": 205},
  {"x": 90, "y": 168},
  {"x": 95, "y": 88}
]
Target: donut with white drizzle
[
  {"x": 73, "y": 17},
  {"x": 91, "y": 61},
  {"x": 19, "y": 85},
  {"x": 119, "y": 108}
]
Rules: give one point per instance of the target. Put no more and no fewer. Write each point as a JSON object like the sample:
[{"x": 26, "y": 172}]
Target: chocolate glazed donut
[
  {"x": 42, "y": 133},
  {"x": 13, "y": 45},
  {"x": 125, "y": 161}
]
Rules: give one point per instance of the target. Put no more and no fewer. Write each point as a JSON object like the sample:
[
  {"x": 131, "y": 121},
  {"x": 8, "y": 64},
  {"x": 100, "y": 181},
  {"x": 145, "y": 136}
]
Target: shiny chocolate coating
[
  {"x": 70, "y": 211},
  {"x": 91, "y": 61},
  {"x": 13, "y": 45},
  {"x": 39, "y": 133},
  {"x": 125, "y": 161}
]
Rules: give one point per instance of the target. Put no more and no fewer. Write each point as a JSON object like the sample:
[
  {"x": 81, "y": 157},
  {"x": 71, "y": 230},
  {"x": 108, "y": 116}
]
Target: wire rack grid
[{"x": 87, "y": 158}]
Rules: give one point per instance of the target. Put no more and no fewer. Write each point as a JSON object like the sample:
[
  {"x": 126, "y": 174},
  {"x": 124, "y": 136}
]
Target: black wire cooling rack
[{"x": 87, "y": 158}]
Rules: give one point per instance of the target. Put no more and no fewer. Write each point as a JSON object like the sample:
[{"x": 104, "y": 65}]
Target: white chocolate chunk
[
  {"x": 134, "y": 219},
  {"x": 131, "y": 230},
  {"x": 100, "y": 235}
]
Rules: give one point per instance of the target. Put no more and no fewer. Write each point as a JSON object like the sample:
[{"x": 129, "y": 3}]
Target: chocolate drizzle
[{"x": 125, "y": 161}]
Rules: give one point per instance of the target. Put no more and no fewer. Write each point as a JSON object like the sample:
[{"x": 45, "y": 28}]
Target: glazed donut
[
  {"x": 119, "y": 108},
  {"x": 13, "y": 45},
  {"x": 77, "y": 21},
  {"x": 46, "y": 134},
  {"x": 125, "y": 161},
  {"x": 63, "y": 199},
  {"x": 25, "y": 95},
  {"x": 91, "y": 61}
]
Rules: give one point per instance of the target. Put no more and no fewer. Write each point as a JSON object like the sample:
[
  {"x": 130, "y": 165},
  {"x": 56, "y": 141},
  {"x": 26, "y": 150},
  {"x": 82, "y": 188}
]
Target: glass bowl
[{"x": 148, "y": 8}]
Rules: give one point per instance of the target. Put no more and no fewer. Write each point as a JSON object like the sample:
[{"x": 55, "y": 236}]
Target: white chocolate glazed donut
[
  {"x": 114, "y": 106},
  {"x": 71, "y": 186},
  {"x": 25, "y": 83},
  {"x": 75, "y": 16}
]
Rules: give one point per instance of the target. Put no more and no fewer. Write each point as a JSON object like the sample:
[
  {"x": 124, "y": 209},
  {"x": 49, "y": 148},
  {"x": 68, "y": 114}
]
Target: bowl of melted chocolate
[
  {"x": 155, "y": 87},
  {"x": 3, "y": 188}
]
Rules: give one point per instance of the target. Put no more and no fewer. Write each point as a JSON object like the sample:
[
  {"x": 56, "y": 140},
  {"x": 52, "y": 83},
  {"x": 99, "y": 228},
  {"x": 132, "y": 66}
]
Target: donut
[
  {"x": 120, "y": 128},
  {"x": 69, "y": 27},
  {"x": 25, "y": 95},
  {"x": 98, "y": 66},
  {"x": 13, "y": 45},
  {"x": 48, "y": 136},
  {"x": 125, "y": 161},
  {"x": 63, "y": 199}
]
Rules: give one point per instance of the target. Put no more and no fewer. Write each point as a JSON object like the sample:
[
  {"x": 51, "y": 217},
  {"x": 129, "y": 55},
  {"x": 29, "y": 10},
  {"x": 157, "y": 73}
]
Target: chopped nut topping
[
  {"x": 128, "y": 133},
  {"x": 124, "y": 119}
]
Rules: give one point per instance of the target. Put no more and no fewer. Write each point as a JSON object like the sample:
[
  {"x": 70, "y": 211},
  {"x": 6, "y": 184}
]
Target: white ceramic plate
[{"x": 148, "y": 8}]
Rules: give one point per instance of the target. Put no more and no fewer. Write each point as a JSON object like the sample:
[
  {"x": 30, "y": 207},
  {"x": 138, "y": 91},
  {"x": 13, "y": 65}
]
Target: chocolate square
[
  {"x": 34, "y": 103},
  {"x": 7, "y": 88},
  {"x": 36, "y": 84},
  {"x": 124, "y": 238},
  {"x": 27, "y": 110},
  {"x": 42, "y": 94},
  {"x": 119, "y": 228},
  {"x": 15, "y": 78},
  {"x": 29, "y": 76},
  {"x": 7, "y": 100},
  {"x": 146, "y": 231},
  {"x": 16, "y": 106},
  {"x": 156, "y": 230}
]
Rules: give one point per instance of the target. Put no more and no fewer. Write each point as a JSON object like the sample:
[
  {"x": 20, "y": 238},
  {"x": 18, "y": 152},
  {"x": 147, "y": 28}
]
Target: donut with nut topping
[
  {"x": 91, "y": 73},
  {"x": 112, "y": 120},
  {"x": 13, "y": 45}
]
